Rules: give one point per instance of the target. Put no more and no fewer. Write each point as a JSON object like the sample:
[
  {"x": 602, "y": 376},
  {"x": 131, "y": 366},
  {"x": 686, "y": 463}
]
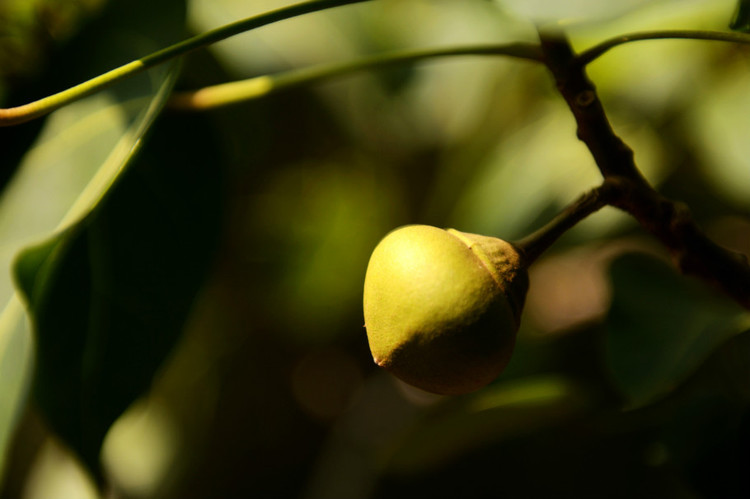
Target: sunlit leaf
[
  {"x": 539, "y": 167},
  {"x": 109, "y": 296},
  {"x": 79, "y": 154},
  {"x": 571, "y": 11},
  {"x": 323, "y": 39},
  {"x": 323, "y": 229},
  {"x": 77, "y": 157},
  {"x": 718, "y": 125},
  {"x": 662, "y": 326}
]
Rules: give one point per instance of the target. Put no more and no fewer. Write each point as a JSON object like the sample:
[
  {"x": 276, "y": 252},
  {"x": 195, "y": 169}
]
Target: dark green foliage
[
  {"x": 741, "y": 18},
  {"x": 662, "y": 326},
  {"x": 110, "y": 295},
  {"x": 260, "y": 383}
]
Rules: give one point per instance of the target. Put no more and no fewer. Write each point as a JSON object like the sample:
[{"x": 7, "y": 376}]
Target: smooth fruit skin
[{"x": 442, "y": 307}]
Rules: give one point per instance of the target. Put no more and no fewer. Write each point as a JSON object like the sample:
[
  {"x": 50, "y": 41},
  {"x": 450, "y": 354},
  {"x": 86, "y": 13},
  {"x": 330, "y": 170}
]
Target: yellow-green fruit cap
[{"x": 442, "y": 307}]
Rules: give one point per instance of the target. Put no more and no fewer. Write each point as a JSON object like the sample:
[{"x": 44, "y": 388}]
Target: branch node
[
  {"x": 585, "y": 98},
  {"x": 669, "y": 221}
]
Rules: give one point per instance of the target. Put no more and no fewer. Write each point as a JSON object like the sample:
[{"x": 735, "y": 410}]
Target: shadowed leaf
[
  {"x": 741, "y": 19},
  {"x": 75, "y": 160},
  {"x": 486, "y": 417},
  {"x": 109, "y": 296},
  {"x": 662, "y": 326}
]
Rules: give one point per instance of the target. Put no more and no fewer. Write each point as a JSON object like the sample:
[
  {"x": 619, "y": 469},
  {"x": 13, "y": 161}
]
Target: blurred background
[{"x": 628, "y": 380}]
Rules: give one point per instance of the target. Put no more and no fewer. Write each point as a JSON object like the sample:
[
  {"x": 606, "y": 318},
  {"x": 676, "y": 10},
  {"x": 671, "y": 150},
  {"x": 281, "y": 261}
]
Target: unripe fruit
[{"x": 442, "y": 307}]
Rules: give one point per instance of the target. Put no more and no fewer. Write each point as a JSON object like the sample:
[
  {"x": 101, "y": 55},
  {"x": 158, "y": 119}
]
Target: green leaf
[
  {"x": 592, "y": 11},
  {"x": 716, "y": 125},
  {"x": 662, "y": 326},
  {"x": 491, "y": 415},
  {"x": 75, "y": 159},
  {"x": 741, "y": 19},
  {"x": 109, "y": 296},
  {"x": 541, "y": 158},
  {"x": 78, "y": 156}
]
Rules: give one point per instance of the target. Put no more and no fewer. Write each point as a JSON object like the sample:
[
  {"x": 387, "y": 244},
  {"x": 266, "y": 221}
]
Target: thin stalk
[
  {"x": 27, "y": 112},
  {"x": 589, "y": 55},
  {"x": 536, "y": 243},
  {"x": 253, "y": 88}
]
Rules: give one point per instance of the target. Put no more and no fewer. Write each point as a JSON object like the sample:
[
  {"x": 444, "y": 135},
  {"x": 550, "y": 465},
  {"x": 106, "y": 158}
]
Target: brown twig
[
  {"x": 669, "y": 221},
  {"x": 536, "y": 243}
]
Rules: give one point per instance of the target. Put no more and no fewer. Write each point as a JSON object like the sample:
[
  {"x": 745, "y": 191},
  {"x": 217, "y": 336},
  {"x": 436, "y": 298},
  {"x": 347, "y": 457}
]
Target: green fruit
[{"x": 442, "y": 307}]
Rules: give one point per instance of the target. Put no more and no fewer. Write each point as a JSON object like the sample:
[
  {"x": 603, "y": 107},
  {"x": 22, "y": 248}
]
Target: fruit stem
[
  {"x": 589, "y": 55},
  {"x": 260, "y": 86},
  {"x": 26, "y": 112},
  {"x": 536, "y": 243}
]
